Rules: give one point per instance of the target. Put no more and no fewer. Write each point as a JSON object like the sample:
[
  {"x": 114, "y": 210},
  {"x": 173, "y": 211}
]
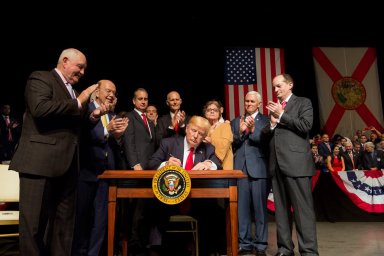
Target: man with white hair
[
  {"x": 47, "y": 155},
  {"x": 372, "y": 159}
]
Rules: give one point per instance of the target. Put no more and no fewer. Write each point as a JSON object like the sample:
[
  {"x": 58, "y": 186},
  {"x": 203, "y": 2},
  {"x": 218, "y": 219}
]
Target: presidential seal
[
  {"x": 348, "y": 93},
  {"x": 171, "y": 184}
]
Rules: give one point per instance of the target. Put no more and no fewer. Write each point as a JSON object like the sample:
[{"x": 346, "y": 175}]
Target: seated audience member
[
  {"x": 357, "y": 147},
  {"x": 374, "y": 135},
  {"x": 344, "y": 140},
  {"x": 325, "y": 147},
  {"x": 335, "y": 162},
  {"x": 362, "y": 140},
  {"x": 191, "y": 153},
  {"x": 10, "y": 131},
  {"x": 336, "y": 141},
  {"x": 316, "y": 139},
  {"x": 351, "y": 157},
  {"x": 380, "y": 145},
  {"x": 372, "y": 159},
  {"x": 355, "y": 138},
  {"x": 317, "y": 158}
]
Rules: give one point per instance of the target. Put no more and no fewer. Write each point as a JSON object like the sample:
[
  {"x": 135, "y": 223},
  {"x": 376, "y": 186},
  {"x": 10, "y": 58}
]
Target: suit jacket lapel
[
  {"x": 199, "y": 155},
  {"x": 178, "y": 148},
  {"x": 290, "y": 103}
]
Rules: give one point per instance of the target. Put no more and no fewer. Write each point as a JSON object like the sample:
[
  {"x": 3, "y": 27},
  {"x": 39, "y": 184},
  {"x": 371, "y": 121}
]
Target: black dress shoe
[
  {"x": 243, "y": 251},
  {"x": 261, "y": 253},
  {"x": 283, "y": 254}
]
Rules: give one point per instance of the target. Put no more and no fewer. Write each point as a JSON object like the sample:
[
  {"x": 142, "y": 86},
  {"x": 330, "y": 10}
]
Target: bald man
[{"x": 175, "y": 121}]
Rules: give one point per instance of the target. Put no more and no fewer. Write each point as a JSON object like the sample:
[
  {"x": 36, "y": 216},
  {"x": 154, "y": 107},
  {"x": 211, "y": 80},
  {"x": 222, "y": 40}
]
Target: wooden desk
[{"x": 227, "y": 188}]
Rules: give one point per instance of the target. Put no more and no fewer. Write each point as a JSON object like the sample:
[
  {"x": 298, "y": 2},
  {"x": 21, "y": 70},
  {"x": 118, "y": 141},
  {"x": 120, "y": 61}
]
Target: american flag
[{"x": 250, "y": 69}]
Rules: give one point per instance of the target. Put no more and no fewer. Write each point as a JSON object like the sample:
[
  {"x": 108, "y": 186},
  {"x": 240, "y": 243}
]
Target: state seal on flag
[
  {"x": 349, "y": 93},
  {"x": 171, "y": 184}
]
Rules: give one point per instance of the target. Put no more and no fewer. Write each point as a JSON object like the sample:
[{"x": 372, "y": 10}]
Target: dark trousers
[
  {"x": 296, "y": 193},
  {"x": 91, "y": 218},
  {"x": 47, "y": 211}
]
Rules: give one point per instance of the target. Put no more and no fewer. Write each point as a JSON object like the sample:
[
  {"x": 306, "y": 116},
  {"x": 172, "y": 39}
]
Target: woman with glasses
[{"x": 220, "y": 135}]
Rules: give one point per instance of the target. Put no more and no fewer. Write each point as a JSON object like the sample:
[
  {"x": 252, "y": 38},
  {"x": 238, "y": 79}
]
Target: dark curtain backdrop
[{"x": 161, "y": 49}]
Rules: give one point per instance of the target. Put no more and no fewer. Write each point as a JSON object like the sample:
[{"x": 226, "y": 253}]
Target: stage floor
[
  {"x": 341, "y": 239},
  {"x": 335, "y": 239}
]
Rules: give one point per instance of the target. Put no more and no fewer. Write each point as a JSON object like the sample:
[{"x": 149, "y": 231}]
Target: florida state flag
[{"x": 348, "y": 89}]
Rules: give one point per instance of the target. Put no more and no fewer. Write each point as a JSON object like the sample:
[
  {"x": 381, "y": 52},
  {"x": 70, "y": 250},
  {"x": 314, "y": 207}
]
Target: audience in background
[
  {"x": 335, "y": 161},
  {"x": 351, "y": 157},
  {"x": 372, "y": 159},
  {"x": 10, "y": 130},
  {"x": 325, "y": 147},
  {"x": 317, "y": 158}
]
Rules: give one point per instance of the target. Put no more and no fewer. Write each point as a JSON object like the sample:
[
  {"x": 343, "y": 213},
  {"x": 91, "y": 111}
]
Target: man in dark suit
[
  {"x": 372, "y": 159},
  {"x": 100, "y": 146},
  {"x": 251, "y": 158},
  {"x": 140, "y": 136},
  {"x": 176, "y": 151},
  {"x": 291, "y": 167},
  {"x": 351, "y": 158},
  {"x": 10, "y": 130},
  {"x": 139, "y": 145},
  {"x": 325, "y": 147},
  {"x": 47, "y": 155},
  {"x": 174, "y": 122}
]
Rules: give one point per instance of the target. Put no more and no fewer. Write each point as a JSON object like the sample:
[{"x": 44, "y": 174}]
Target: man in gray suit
[
  {"x": 47, "y": 155},
  {"x": 251, "y": 158},
  {"x": 291, "y": 167}
]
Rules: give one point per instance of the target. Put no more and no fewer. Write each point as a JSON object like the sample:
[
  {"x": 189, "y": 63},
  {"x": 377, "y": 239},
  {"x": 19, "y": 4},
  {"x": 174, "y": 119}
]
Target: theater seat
[{"x": 9, "y": 193}]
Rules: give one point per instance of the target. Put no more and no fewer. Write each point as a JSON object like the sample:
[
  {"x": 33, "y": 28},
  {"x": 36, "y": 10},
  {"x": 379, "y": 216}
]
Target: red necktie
[
  {"x": 351, "y": 156},
  {"x": 189, "y": 162},
  {"x": 7, "y": 123},
  {"x": 176, "y": 128},
  {"x": 145, "y": 121},
  {"x": 185, "y": 206},
  {"x": 283, "y": 104}
]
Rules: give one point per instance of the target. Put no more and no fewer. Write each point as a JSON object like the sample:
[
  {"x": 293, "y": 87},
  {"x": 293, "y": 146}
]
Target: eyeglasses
[{"x": 212, "y": 109}]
